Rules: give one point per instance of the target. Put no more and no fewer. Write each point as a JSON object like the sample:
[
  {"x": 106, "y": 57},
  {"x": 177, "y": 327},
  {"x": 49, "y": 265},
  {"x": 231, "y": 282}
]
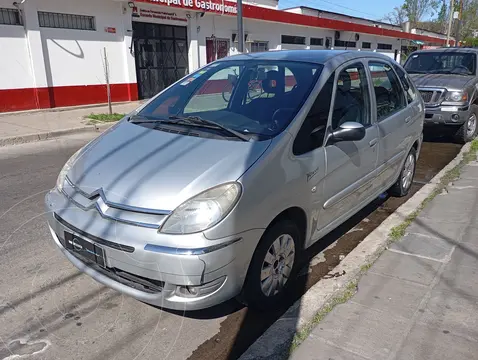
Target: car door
[
  {"x": 350, "y": 165},
  {"x": 393, "y": 117}
]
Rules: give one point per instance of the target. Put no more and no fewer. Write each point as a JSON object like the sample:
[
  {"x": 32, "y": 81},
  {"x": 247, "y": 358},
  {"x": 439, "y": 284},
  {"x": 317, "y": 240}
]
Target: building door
[
  {"x": 216, "y": 49},
  {"x": 161, "y": 54}
]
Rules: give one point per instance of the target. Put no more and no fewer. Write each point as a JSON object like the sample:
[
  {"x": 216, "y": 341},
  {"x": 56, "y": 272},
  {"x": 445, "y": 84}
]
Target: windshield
[
  {"x": 251, "y": 97},
  {"x": 441, "y": 63}
]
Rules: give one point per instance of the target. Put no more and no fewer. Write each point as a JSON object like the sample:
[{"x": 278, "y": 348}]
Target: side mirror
[{"x": 348, "y": 131}]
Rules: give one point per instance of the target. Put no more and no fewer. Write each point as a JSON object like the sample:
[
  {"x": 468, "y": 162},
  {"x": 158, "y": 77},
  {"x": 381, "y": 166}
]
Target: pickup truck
[{"x": 447, "y": 80}]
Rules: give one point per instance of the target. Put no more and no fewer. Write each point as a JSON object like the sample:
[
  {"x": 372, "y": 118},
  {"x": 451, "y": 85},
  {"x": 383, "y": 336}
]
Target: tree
[
  {"x": 417, "y": 9},
  {"x": 397, "y": 17},
  {"x": 442, "y": 17}
]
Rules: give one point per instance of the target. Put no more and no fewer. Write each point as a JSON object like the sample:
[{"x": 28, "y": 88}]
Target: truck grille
[
  {"x": 426, "y": 96},
  {"x": 432, "y": 96}
]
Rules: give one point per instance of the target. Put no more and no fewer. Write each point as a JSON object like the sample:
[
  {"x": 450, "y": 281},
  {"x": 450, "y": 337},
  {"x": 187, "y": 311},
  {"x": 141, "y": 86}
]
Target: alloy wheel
[
  {"x": 277, "y": 265},
  {"x": 408, "y": 171}
]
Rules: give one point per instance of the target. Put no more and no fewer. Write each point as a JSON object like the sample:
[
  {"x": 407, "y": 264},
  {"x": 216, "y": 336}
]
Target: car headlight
[
  {"x": 64, "y": 171},
  {"x": 456, "y": 96},
  {"x": 203, "y": 211}
]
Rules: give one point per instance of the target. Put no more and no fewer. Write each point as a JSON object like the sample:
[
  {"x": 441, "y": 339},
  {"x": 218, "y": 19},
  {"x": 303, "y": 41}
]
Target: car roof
[
  {"x": 311, "y": 56},
  {"x": 448, "y": 49}
]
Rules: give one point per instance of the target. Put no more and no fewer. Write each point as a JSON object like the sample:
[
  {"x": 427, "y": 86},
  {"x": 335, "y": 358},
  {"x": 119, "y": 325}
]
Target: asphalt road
[{"x": 47, "y": 308}]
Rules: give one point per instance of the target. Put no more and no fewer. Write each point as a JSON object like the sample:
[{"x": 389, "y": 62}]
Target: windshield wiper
[
  {"x": 140, "y": 119},
  {"x": 200, "y": 122}
]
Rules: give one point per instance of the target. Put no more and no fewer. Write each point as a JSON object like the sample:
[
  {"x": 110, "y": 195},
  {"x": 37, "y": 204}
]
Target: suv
[{"x": 448, "y": 83}]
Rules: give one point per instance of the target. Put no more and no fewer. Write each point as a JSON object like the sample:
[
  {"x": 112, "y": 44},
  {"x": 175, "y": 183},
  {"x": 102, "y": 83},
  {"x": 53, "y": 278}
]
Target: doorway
[
  {"x": 161, "y": 54},
  {"x": 216, "y": 49}
]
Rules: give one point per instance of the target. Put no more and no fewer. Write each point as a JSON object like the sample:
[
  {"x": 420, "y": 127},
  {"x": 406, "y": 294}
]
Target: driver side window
[
  {"x": 352, "y": 100},
  {"x": 312, "y": 133}
]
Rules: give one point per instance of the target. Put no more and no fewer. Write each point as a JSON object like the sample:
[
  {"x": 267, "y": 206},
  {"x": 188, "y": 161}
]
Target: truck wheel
[
  {"x": 467, "y": 131},
  {"x": 405, "y": 180},
  {"x": 273, "y": 267}
]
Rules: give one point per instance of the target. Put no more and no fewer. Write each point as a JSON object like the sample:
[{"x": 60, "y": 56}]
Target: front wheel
[
  {"x": 273, "y": 267},
  {"x": 405, "y": 180},
  {"x": 467, "y": 131}
]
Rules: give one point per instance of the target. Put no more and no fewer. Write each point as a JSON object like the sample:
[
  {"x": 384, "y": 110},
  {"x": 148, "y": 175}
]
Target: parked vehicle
[
  {"x": 214, "y": 187},
  {"x": 448, "y": 83}
]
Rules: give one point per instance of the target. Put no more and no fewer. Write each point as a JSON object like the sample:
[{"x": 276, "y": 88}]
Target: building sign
[
  {"x": 156, "y": 14},
  {"x": 216, "y": 6},
  {"x": 429, "y": 47},
  {"x": 111, "y": 30}
]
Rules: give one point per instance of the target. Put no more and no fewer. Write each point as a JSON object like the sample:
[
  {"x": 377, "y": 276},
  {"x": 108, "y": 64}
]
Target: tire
[
  {"x": 405, "y": 180},
  {"x": 256, "y": 284},
  {"x": 467, "y": 131}
]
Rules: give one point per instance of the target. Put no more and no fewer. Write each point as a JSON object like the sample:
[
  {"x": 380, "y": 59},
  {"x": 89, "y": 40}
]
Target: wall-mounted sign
[
  {"x": 156, "y": 14},
  {"x": 216, "y": 6},
  {"x": 111, "y": 30}
]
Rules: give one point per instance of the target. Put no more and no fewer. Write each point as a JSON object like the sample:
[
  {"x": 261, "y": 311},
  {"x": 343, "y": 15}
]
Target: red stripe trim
[
  {"x": 261, "y": 13},
  {"x": 44, "y": 98}
]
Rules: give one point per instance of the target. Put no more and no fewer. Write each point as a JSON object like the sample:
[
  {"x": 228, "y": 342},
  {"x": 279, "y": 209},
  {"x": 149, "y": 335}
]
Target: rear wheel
[
  {"x": 467, "y": 131},
  {"x": 405, "y": 180},
  {"x": 273, "y": 267}
]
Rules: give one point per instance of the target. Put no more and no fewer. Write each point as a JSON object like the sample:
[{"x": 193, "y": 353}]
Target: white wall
[
  {"x": 15, "y": 68},
  {"x": 75, "y": 57},
  {"x": 341, "y": 17}
]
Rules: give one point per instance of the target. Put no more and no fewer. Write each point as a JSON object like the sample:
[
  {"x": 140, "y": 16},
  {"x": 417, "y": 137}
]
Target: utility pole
[
  {"x": 240, "y": 28},
  {"x": 450, "y": 22}
]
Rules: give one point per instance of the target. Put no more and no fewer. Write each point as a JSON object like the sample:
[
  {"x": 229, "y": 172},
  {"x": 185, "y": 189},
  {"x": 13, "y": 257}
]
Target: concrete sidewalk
[
  {"x": 420, "y": 299},
  {"x": 41, "y": 125}
]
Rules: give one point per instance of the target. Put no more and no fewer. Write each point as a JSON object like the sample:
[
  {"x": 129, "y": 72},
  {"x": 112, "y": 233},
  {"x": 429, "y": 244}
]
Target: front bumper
[
  {"x": 447, "y": 115},
  {"x": 185, "y": 277}
]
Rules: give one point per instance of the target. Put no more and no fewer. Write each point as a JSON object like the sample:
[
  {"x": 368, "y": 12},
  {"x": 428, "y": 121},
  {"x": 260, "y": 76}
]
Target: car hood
[
  {"x": 146, "y": 168},
  {"x": 447, "y": 81}
]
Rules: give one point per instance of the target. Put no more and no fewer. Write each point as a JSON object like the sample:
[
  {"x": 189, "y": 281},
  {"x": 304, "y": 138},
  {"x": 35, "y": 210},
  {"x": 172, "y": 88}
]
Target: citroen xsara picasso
[{"x": 214, "y": 187}]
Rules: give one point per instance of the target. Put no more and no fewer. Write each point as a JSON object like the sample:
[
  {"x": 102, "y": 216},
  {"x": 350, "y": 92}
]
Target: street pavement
[
  {"x": 47, "y": 307},
  {"x": 27, "y": 123},
  {"x": 420, "y": 299}
]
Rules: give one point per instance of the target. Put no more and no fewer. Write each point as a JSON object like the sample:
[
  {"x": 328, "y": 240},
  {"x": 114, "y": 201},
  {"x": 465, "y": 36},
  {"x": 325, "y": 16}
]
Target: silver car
[{"x": 214, "y": 188}]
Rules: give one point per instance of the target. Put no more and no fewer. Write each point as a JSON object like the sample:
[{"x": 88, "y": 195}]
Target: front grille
[
  {"x": 426, "y": 95},
  {"x": 96, "y": 239},
  {"x": 432, "y": 96},
  {"x": 150, "y": 286}
]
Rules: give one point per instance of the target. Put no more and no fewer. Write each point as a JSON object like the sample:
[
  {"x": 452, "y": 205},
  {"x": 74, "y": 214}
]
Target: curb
[
  {"x": 68, "y": 108},
  {"x": 276, "y": 342},
  {"x": 49, "y": 135}
]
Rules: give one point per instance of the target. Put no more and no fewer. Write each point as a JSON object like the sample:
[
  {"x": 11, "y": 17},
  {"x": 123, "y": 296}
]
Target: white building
[{"x": 53, "y": 50}]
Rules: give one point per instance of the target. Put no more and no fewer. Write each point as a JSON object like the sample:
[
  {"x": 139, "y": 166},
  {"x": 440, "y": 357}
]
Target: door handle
[
  {"x": 373, "y": 142},
  {"x": 408, "y": 119}
]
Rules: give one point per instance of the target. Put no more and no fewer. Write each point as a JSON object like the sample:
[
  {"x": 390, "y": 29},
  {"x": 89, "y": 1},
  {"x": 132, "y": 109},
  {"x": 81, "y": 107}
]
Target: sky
[{"x": 371, "y": 9}]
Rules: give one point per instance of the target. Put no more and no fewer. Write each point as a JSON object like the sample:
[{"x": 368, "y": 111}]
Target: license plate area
[{"x": 85, "y": 249}]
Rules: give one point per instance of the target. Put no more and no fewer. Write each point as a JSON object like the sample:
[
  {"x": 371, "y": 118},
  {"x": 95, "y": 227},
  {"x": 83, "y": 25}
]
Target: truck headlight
[
  {"x": 456, "y": 96},
  {"x": 203, "y": 211},
  {"x": 64, "y": 171}
]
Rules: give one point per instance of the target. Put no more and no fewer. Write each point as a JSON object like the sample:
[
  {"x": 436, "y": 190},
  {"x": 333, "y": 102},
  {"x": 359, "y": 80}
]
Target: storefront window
[{"x": 259, "y": 46}]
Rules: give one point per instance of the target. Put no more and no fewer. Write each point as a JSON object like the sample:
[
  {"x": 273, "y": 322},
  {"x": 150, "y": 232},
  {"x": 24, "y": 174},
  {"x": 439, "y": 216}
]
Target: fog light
[
  {"x": 455, "y": 117},
  {"x": 201, "y": 290}
]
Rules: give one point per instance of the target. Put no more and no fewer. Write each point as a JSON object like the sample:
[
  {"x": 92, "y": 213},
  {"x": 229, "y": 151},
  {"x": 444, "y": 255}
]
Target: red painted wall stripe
[
  {"x": 44, "y": 98},
  {"x": 261, "y": 13}
]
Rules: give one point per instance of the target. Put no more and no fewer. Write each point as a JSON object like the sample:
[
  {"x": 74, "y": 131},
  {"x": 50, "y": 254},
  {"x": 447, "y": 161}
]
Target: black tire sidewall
[
  {"x": 252, "y": 292},
  {"x": 462, "y": 134}
]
